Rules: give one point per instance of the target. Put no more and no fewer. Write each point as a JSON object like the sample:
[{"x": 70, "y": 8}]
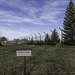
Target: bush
[{"x": 1, "y": 44}]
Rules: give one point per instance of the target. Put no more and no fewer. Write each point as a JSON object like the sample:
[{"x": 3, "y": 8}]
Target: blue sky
[{"x": 20, "y": 18}]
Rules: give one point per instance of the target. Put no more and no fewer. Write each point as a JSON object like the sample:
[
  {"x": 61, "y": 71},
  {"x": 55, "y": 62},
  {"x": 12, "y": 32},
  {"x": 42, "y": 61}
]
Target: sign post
[
  {"x": 24, "y": 68},
  {"x": 24, "y": 53}
]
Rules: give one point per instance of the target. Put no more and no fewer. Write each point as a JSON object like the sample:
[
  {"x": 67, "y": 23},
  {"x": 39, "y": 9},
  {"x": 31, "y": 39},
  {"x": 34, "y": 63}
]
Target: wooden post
[{"x": 24, "y": 68}]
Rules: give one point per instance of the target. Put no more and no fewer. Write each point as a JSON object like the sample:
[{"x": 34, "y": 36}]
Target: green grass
[{"x": 44, "y": 60}]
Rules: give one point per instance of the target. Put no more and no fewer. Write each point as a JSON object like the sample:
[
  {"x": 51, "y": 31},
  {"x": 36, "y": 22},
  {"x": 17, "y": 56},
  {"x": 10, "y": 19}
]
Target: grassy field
[{"x": 44, "y": 60}]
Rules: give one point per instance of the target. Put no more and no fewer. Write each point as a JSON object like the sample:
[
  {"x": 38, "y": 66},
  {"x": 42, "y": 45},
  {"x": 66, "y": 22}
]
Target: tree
[
  {"x": 2, "y": 39},
  {"x": 69, "y": 25},
  {"x": 54, "y": 37},
  {"x": 47, "y": 40}
]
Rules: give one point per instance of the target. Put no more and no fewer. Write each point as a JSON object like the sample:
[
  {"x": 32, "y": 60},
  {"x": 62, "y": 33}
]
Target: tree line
[{"x": 49, "y": 40}]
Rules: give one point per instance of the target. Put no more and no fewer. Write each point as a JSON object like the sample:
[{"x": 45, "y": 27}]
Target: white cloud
[
  {"x": 27, "y": 31},
  {"x": 2, "y": 1},
  {"x": 10, "y": 18},
  {"x": 11, "y": 34},
  {"x": 13, "y": 3},
  {"x": 57, "y": 3},
  {"x": 51, "y": 17},
  {"x": 49, "y": 12},
  {"x": 21, "y": 5},
  {"x": 25, "y": 7}
]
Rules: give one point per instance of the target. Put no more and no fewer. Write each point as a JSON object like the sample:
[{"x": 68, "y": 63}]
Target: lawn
[{"x": 44, "y": 60}]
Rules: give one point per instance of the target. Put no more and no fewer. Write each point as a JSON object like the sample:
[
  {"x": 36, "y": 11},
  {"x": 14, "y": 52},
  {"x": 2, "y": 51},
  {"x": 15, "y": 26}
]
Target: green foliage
[
  {"x": 2, "y": 39},
  {"x": 47, "y": 40},
  {"x": 69, "y": 25},
  {"x": 54, "y": 37},
  {"x": 31, "y": 42},
  {"x": 58, "y": 45}
]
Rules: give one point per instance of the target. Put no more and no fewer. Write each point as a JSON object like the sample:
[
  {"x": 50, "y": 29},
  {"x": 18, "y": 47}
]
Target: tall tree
[
  {"x": 47, "y": 40},
  {"x": 54, "y": 37},
  {"x": 69, "y": 24}
]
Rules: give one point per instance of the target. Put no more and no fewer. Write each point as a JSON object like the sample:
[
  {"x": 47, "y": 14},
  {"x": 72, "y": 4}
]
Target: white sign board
[{"x": 24, "y": 53}]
